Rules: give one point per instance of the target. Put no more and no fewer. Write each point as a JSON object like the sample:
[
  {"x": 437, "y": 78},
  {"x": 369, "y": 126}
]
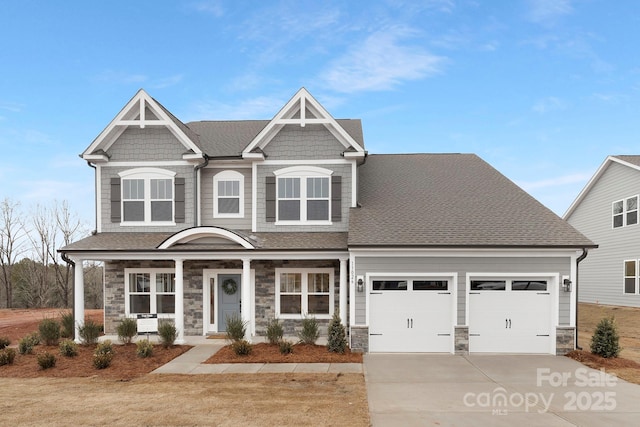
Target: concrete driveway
[{"x": 495, "y": 390}]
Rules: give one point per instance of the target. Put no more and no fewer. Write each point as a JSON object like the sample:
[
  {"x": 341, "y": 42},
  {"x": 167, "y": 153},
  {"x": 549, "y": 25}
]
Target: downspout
[
  {"x": 195, "y": 187},
  {"x": 95, "y": 199},
  {"x": 585, "y": 252},
  {"x": 68, "y": 260}
]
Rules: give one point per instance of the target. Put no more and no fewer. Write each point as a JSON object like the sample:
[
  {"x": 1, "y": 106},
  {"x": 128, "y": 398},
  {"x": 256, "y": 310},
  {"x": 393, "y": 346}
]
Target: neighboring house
[
  {"x": 291, "y": 217},
  {"x": 606, "y": 211}
]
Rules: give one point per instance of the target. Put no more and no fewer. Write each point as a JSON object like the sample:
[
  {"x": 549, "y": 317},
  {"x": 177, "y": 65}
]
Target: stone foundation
[
  {"x": 461, "y": 340},
  {"x": 359, "y": 336},
  {"x": 565, "y": 340}
]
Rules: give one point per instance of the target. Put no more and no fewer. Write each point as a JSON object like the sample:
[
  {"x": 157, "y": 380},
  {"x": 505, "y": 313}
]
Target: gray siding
[
  {"x": 148, "y": 144},
  {"x": 343, "y": 170},
  {"x": 294, "y": 142},
  {"x": 601, "y": 277},
  {"x": 461, "y": 266},
  {"x": 107, "y": 173},
  {"x": 206, "y": 200}
]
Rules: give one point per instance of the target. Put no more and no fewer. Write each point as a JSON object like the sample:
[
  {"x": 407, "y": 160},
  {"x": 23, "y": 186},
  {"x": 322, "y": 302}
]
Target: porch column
[
  {"x": 78, "y": 296},
  {"x": 343, "y": 291},
  {"x": 245, "y": 295},
  {"x": 179, "y": 320}
]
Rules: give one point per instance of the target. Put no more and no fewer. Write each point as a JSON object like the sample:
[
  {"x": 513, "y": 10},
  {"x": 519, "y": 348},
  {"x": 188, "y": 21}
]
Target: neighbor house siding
[
  {"x": 206, "y": 200},
  {"x": 462, "y": 266},
  {"x": 343, "y": 170},
  {"x": 311, "y": 142},
  {"x": 601, "y": 273},
  {"x": 148, "y": 144},
  {"x": 108, "y": 172}
]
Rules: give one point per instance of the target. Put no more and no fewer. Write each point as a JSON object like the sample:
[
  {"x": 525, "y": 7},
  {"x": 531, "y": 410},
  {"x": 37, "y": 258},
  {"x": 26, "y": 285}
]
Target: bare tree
[
  {"x": 93, "y": 282},
  {"x": 12, "y": 234},
  {"x": 68, "y": 227}
]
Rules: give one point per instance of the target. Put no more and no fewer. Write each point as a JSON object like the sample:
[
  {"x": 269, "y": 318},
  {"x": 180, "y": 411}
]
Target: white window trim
[
  {"x": 153, "y": 308},
  {"x": 625, "y": 211},
  {"x": 302, "y": 172},
  {"x": 228, "y": 175},
  {"x": 305, "y": 292},
  {"x": 147, "y": 174},
  {"x": 636, "y": 277}
]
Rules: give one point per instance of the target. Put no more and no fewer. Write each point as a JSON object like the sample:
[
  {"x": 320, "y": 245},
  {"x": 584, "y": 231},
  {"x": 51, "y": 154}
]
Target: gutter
[
  {"x": 195, "y": 187},
  {"x": 585, "y": 252}
]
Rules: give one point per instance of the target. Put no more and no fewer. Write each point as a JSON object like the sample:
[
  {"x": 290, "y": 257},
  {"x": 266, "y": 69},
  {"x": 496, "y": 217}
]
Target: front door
[{"x": 228, "y": 297}]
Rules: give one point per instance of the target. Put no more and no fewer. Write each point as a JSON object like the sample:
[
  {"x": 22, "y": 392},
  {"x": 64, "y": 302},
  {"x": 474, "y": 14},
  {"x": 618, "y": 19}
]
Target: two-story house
[
  {"x": 291, "y": 217},
  {"x": 606, "y": 211}
]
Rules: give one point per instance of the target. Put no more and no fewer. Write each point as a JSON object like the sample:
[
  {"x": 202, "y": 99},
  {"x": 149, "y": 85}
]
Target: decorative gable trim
[
  {"x": 190, "y": 234},
  {"x": 603, "y": 167},
  {"x": 301, "y": 110},
  {"x": 141, "y": 111}
]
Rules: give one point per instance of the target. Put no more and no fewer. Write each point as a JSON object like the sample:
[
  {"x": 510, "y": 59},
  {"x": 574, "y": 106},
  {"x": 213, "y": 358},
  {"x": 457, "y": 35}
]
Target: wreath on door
[{"x": 229, "y": 286}]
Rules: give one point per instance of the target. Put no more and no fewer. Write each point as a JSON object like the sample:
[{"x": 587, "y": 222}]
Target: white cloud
[
  {"x": 576, "y": 178},
  {"x": 549, "y": 104},
  {"x": 548, "y": 11},
  {"x": 213, "y": 7},
  {"x": 255, "y": 108},
  {"x": 11, "y": 106},
  {"x": 166, "y": 82},
  {"x": 111, "y": 76},
  {"x": 381, "y": 62}
]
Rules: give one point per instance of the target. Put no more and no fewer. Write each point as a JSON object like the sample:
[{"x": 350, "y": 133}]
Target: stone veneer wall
[
  {"x": 360, "y": 338},
  {"x": 265, "y": 294},
  {"x": 461, "y": 340},
  {"x": 565, "y": 340}
]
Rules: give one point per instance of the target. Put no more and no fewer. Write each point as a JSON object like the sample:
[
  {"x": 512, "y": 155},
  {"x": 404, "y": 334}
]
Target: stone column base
[
  {"x": 461, "y": 340},
  {"x": 565, "y": 340},
  {"x": 359, "y": 337}
]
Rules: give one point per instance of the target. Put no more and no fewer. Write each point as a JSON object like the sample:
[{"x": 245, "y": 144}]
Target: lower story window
[
  {"x": 304, "y": 292},
  {"x": 631, "y": 277},
  {"x": 150, "y": 291}
]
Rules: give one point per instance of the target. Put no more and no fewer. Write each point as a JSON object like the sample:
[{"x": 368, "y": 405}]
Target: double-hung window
[
  {"x": 625, "y": 212},
  {"x": 304, "y": 292},
  {"x": 147, "y": 196},
  {"x": 228, "y": 198},
  {"x": 631, "y": 277},
  {"x": 150, "y": 291},
  {"x": 303, "y": 195}
]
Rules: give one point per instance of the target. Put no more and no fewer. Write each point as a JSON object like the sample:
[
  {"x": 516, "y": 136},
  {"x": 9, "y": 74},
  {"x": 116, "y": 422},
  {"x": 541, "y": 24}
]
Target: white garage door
[
  {"x": 510, "y": 316},
  {"x": 410, "y": 315}
]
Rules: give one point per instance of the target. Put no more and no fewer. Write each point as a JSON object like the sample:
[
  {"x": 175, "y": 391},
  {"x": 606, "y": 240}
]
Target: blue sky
[{"x": 543, "y": 90}]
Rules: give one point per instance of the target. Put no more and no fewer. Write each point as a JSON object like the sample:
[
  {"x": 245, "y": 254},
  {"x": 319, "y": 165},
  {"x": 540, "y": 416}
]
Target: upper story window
[
  {"x": 228, "y": 195},
  {"x": 303, "y": 195},
  {"x": 625, "y": 212},
  {"x": 147, "y": 196}
]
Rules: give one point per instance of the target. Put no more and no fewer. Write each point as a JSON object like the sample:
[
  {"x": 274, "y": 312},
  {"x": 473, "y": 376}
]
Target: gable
[
  {"x": 141, "y": 112},
  {"x": 303, "y": 110},
  {"x": 304, "y": 143},
  {"x": 150, "y": 144}
]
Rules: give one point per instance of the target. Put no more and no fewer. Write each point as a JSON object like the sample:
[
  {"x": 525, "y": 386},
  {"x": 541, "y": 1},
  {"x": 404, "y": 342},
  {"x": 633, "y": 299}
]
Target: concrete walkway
[{"x": 191, "y": 363}]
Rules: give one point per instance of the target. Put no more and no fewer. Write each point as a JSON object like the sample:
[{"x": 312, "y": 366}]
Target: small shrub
[
  {"x": 274, "y": 331},
  {"x": 4, "y": 342},
  {"x": 49, "y": 331},
  {"x": 168, "y": 334},
  {"x": 67, "y": 327},
  {"x": 103, "y": 355},
  {"x": 46, "y": 360},
  {"x": 144, "y": 348},
  {"x": 127, "y": 329},
  {"x": 337, "y": 336},
  {"x": 242, "y": 347},
  {"x": 68, "y": 348},
  {"x": 285, "y": 347},
  {"x": 89, "y": 332},
  {"x": 7, "y": 356},
  {"x": 606, "y": 341},
  {"x": 236, "y": 328},
  {"x": 310, "y": 332},
  {"x": 26, "y": 344}
]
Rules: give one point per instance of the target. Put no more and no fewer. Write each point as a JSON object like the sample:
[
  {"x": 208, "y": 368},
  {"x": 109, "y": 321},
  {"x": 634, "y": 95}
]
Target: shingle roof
[
  {"x": 450, "y": 200},
  {"x": 229, "y": 138},
  {"x": 134, "y": 242},
  {"x": 634, "y": 160}
]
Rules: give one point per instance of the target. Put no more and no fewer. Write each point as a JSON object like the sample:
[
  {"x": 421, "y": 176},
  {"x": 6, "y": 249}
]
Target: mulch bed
[
  {"x": 597, "y": 362},
  {"x": 270, "y": 353},
  {"x": 126, "y": 365}
]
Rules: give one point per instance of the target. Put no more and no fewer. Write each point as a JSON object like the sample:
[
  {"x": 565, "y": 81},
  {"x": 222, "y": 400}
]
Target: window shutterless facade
[
  {"x": 228, "y": 195},
  {"x": 150, "y": 291},
  {"x": 630, "y": 277},
  {"x": 304, "y": 292},
  {"x": 625, "y": 212},
  {"x": 147, "y": 197}
]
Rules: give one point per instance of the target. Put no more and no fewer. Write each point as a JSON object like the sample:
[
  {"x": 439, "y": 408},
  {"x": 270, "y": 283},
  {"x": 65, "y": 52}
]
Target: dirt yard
[{"x": 75, "y": 393}]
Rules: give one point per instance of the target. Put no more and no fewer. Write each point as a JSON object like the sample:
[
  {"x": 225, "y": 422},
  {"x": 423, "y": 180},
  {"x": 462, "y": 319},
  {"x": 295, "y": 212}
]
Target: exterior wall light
[
  {"x": 566, "y": 285},
  {"x": 360, "y": 284}
]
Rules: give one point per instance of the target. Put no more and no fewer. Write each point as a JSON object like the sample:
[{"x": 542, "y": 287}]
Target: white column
[
  {"x": 78, "y": 296},
  {"x": 179, "y": 321},
  {"x": 245, "y": 295},
  {"x": 343, "y": 291}
]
